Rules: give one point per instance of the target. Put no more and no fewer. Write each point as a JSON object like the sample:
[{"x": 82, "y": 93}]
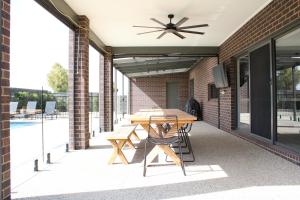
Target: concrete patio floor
[{"x": 226, "y": 167}]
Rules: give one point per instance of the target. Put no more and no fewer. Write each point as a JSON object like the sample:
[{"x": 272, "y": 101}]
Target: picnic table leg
[
  {"x": 135, "y": 136},
  {"x": 170, "y": 153},
  {"x": 118, "y": 151},
  {"x": 130, "y": 144},
  {"x": 165, "y": 148},
  {"x": 152, "y": 131}
]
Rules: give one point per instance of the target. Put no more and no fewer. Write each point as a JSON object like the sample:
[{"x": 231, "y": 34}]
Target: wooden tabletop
[{"x": 143, "y": 115}]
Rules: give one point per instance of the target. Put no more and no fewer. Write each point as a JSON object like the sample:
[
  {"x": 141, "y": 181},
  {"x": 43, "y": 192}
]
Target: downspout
[{"x": 1, "y": 135}]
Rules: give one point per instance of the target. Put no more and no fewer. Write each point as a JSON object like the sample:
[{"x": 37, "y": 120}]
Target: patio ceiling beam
[
  {"x": 62, "y": 11},
  {"x": 171, "y": 51},
  {"x": 164, "y": 66},
  {"x": 133, "y": 63},
  {"x": 155, "y": 73}
]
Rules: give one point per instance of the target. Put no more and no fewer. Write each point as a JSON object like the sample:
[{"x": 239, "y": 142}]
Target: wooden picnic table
[{"x": 142, "y": 117}]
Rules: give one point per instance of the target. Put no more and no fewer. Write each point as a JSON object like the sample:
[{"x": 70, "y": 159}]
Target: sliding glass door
[{"x": 288, "y": 89}]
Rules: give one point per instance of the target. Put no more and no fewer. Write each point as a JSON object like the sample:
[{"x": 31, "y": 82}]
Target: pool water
[{"x": 14, "y": 125}]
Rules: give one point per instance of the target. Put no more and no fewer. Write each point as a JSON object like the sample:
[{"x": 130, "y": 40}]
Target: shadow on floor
[{"x": 140, "y": 150}]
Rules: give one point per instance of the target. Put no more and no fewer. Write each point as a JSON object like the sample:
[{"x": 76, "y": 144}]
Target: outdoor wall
[
  {"x": 5, "y": 98},
  {"x": 274, "y": 17},
  {"x": 202, "y": 75},
  {"x": 150, "y": 92}
]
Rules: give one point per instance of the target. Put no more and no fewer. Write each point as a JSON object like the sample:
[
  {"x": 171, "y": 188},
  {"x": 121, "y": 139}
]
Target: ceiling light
[{"x": 296, "y": 57}]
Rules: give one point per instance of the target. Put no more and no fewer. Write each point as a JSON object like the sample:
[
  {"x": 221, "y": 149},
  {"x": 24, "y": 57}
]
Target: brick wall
[
  {"x": 275, "y": 16},
  {"x": 228, "y": 104},
  {"x": 202, "y": 75},
  {"x": 79, "y": 85},
  {"x": 5, "y": 98},
  {"x": 150, "y": 92}
]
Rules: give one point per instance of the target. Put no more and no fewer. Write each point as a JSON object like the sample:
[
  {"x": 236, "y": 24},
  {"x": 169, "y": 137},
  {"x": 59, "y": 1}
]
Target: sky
[{"x": 38, "y": 41}]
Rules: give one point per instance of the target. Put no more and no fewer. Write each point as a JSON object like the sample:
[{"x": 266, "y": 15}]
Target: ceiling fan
[{"x": 172, "y": 28}]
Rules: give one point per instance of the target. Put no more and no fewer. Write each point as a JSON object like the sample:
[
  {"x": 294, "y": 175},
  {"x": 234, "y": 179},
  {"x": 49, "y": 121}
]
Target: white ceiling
[
  {"x": 112, "y": 20},
  {"x": 291, "y": 39}
]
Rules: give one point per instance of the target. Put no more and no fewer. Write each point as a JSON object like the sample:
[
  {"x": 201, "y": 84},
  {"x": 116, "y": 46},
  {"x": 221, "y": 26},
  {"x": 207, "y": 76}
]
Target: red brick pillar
[
  {"x": 4, "y": 100},
  {"x": 228, "y": 104},
  {"x": 79, "y": 85},
  {"x": 107, "y": 97}
]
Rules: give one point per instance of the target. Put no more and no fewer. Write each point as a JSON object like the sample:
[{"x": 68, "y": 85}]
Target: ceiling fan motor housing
[{"x": 171, "y": 26}]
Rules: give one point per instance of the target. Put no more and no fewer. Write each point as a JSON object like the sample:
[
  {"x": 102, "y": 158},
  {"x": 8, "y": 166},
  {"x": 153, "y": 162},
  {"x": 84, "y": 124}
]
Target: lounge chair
[
  {"x": 31, "y": 109},
  {"x": 50, "y": 109},
  {"x": 13, "y": 108}
]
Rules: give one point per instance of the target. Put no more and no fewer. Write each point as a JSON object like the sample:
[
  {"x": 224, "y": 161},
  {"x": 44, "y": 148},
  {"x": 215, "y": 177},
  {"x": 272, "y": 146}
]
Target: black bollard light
[
  {"x": 67, "y": 147},
  {"x": 48, "y": 158},
  {"x": 36, "y": 165}
]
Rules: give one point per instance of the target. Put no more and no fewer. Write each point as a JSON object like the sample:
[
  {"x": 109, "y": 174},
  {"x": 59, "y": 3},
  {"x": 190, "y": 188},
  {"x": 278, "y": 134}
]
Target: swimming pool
[{"x": 14, "y": 125}]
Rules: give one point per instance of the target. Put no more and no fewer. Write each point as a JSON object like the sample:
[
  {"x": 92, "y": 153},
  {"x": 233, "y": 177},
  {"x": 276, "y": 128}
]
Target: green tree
[
  {"x": 285, "y": 78},
  {"x": 58, "y": 78}
]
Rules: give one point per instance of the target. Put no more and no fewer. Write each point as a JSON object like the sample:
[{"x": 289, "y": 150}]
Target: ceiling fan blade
[
  {"x": 155, "y": 20},
  {"x": 160, "y": 36},
  {"x": 149, "y": 32},
  {"x": 195, "y": 32},
  {"x": 179, "y": 35},
  {"x": 181, "y": 21},
  {"x": 194, "y": 26},
  {"x": 148, "y": 27}
]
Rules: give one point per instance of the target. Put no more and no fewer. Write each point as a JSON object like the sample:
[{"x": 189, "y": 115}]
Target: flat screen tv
[{"x": 220, "y": 76}]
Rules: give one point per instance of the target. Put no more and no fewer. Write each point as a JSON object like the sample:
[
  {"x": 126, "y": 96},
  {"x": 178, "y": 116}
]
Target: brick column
[
  {"x": 106, "y": 97},
  {"x": 79, "y": 85},
  {"x": 4, "y": 99},
  {"x": 228, "y": 100}
]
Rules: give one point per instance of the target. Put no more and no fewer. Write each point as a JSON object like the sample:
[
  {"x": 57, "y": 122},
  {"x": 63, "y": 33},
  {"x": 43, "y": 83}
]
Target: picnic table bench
[{"x": 118, "y": 139}]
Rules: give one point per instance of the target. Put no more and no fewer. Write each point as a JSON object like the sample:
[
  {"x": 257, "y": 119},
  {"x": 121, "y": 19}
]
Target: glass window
[
  {"x": 288, "y": 89},
  {"x": 213, "y": 92},
  {"x": 244, "y": 92}
]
